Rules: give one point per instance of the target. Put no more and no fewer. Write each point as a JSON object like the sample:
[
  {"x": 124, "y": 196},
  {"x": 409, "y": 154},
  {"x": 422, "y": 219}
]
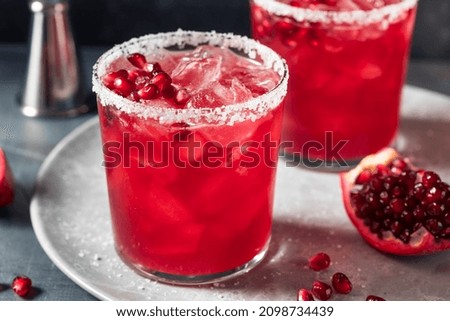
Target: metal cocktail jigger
[{"x": 52, "y": 83}]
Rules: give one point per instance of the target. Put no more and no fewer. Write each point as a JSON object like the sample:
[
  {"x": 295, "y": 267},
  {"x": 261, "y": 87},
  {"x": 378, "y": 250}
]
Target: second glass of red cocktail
[{"x": 347, "y": 60}]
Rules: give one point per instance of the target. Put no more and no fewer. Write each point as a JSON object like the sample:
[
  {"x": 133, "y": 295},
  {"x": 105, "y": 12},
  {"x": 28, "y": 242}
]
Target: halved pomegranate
[
  {"x": 396, "y": 207},
  {"x": 6, "y": 181}
]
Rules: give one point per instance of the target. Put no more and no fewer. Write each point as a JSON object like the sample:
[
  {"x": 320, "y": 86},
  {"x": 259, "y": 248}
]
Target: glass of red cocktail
[
  {"x": 347, "y": 61},
  {"x": 190, "y": 124}
]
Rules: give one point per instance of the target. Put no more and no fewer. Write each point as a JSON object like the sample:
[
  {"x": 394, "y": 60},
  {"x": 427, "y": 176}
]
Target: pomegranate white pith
[{"x": 397, "y": 208}]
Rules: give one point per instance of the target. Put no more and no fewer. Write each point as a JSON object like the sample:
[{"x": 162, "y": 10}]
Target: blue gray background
[{"x": 107, "y": 22}]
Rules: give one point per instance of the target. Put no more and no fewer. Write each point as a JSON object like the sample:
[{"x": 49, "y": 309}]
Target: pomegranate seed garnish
[
  {"x": 148, "y": 92},
  {"x": 134, "y": 96},
  {"x": 321, "y": 290},
  {"x": 134, "y": 74},
  {"x": 108, "y": 79},
  {"x": 286, "y": 27},
  {"x": 374, "y": 298},
  {"x": 153, "y": 67},
  {"x": 182, "y": 96},
  {"x": 169, "y": 92},
  {"x": 330, "y": 2},
  {"x": 341, "y": 283},
  {"x": 162, "y": 80},
  {"x": 295, "y": 4},
  {"x": 304, "y": 295},
  {"x": 320, "y": 261},
  {"x": 123, "y": 86},
  {"x": 138, "y": 60},
  {"x": 21, "y": 285}
]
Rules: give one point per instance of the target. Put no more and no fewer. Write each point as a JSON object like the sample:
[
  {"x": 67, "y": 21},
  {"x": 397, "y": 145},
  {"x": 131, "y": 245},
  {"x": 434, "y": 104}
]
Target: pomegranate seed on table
[
  {"x": 319, "y": 261},
  {"x": 374, "y": 298},
  {"x": 304, "y": 295},
  {"x": 21, "y": 285},
  {"x": 321, "y": 290},
  {"x": 341, "y": 283}
]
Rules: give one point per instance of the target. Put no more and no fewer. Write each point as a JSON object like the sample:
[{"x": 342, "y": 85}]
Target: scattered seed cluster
[
  {"x": 148, "y": 81},
  {"x": 398, "y": 199},
  {"x": 22, "y": 286},
  {"x": 322, "y": 290}
]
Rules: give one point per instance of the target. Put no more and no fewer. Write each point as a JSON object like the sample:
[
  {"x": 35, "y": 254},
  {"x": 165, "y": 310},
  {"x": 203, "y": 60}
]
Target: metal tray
[{"x": 70, "y": 217}]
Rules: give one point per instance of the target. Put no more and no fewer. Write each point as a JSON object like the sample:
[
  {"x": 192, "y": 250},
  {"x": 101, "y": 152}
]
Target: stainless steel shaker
[{"x": 52, "y": 82}]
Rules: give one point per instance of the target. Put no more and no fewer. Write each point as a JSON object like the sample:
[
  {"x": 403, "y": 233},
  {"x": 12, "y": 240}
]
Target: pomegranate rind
[
  {"x": 6, "y": 181},
  {"x": 422, "y": 242}
]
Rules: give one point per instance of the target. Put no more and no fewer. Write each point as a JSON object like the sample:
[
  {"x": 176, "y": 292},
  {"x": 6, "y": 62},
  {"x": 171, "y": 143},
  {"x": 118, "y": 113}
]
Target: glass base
[{"x": 175, "y": 279}]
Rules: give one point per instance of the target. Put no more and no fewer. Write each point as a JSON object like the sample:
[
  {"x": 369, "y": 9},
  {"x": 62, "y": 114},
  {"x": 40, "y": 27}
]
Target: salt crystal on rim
[{"x": 390, "y": 13}]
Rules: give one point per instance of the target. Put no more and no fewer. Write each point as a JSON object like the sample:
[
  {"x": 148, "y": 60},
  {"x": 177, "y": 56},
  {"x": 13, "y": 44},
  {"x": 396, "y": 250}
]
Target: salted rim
[
  {"x": 252, "y": 109},
  {"x": 390, "y": 13}
]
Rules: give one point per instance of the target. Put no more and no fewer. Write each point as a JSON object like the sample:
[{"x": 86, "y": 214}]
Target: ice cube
[{"x": 198, "y": 69}]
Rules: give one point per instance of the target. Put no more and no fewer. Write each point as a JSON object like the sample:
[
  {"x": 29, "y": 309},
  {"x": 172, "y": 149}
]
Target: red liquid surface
[
  {"x": 344, "y": 79},
  {"x": 211, "y": 214}
]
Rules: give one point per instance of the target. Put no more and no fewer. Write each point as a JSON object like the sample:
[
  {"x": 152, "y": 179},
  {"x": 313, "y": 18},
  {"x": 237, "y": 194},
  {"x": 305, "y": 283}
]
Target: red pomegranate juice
[
  {"x": 347, "y": 61},
  {"x": 191, "y": 197}
]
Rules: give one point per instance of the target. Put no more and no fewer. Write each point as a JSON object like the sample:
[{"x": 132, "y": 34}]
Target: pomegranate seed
[
  {"x": 377, "y": 184},
  {"x": 364, "y": 177},
  {"x": 123, "y": 86},
  {"x": 182, "y": 96},
  {"x": 148, "y": 92},
  {"x": 138, "y": 60},
  {"x": 135, "y": 74},
  {"x": 419, "y": 191},
  {"x": 169, "y": 92},
  {"x": 319, "y": 262},
  {"x": 374, "y": 298},
  {"x": 341, "y": 283},
  {"x": 153, "y": 67},
  {"x": 134, "y": 96},
  {"x": 162, "y": 80},
  {"x": 21, "y": 285},
  {"x": 382, "y": 170},
  {"x": 108, "y": 79},
  {"x": 429, "y": 179},
  {"x": 286, "y": 27},
  {"x": 329, "y": 2},
  {"x": 434, "y": 194},
  {"x": 400, "y": 164},
  {"x": 397, "y": 205},
  {"x": 321, "y": 290},
  {"x": 304, "y": 295},
  {"x": 295, "y": 4}
]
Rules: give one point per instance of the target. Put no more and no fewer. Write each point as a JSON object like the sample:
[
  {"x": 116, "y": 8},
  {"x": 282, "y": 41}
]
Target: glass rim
[
  {"x": 252, "y": 109},
  {"x": 390, "y": 12}
]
